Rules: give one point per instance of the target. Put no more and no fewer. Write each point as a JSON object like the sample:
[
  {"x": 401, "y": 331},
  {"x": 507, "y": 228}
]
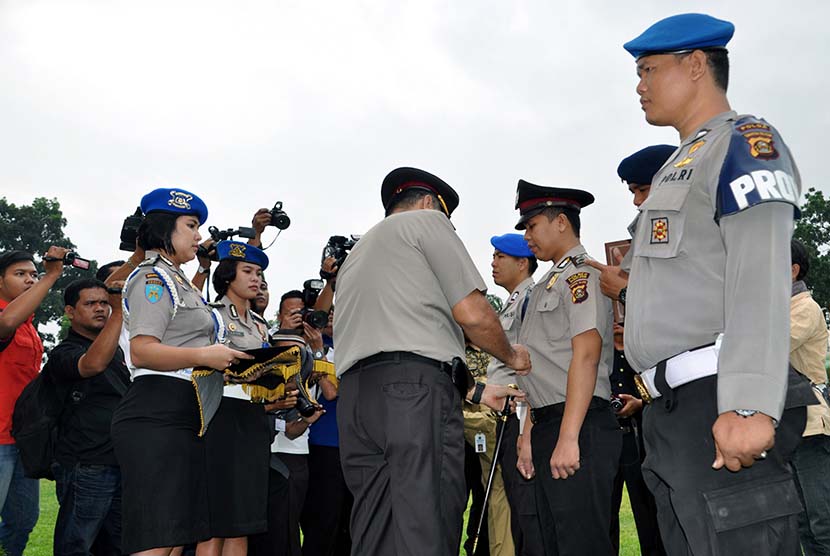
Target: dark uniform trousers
[
  {"x": 707, "y": 512},
  {"x": 630, "y": 475},
  {"x": 521, "y": 496},
  {"x": 402, "y": 448},
  {"x": 574, "y": 513},
  {"x": 276, "y": 540}
]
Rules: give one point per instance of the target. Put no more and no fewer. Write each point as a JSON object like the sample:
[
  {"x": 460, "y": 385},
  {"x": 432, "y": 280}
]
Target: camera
[
  {"x": 129, "y": 230},
  {"x": 312, "y": 289},
  {"x": 279, "y": 219},
  {"x": 617, "y": 404},
  {"x": 71, "y": 259},
  {"x": 218, "y": 235},
  {"x": 338, "y": 247}
]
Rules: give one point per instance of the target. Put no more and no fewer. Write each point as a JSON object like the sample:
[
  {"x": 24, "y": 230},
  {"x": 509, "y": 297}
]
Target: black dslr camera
[
  {"x": 279, "y": 219},
  {"x": 338, "y": 247},
  {"x": 129, "y": 230},
  {"x": 312, "y": 289},
  {"x": 218, "y": 235}
]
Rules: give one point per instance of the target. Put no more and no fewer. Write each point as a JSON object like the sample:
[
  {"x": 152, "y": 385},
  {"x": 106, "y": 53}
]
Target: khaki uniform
[
  {"x": 574, "y": 514},
  {"x": 808, "y": 349},
  {"x": 399, "y": 415}
]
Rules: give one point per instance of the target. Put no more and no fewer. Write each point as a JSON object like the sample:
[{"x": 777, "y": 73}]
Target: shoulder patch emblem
[
  {"x": 153, "y": 290},
  {"x": 659, "y": 230},
  {"x": 578, "y": 283},
  {"x": 761, "y": 145}
]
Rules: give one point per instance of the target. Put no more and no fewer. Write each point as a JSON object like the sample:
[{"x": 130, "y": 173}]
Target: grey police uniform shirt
[
  {"x": 566, "y": 302},
  {"x": 150, "y": 310},
  {"x": 711, "y": 255},
  {"x": 510, "y": 317},
  {"x": 397, "y": 288},
  {"x": 240, "y": 334}
]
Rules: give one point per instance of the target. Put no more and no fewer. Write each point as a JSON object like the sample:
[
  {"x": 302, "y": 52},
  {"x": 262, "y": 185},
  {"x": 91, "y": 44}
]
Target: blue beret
[
  {"x": 681, "y": 32},
  {"x": 641, "y": 166},
  {"x": 174, "y": 201},
  {"x": 512, "y": 244},
  {"x": 238, "y": 251}
]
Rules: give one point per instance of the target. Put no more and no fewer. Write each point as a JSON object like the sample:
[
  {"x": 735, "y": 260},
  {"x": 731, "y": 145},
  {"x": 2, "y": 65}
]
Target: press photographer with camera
[{"x": 21, "y": 350}]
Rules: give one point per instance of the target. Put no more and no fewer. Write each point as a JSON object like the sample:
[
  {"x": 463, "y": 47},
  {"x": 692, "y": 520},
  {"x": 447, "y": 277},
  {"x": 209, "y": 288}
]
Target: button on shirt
[
  {"x": 510, "y": 317},
  {"x": 240, "y": 334},
  {"x": 397, "y": 288},
  {"x": 566, "y": 302}
]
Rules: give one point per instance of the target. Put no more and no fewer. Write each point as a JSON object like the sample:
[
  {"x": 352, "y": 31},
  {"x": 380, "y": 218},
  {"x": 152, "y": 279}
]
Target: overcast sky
[{"x": 313, "y": 103}]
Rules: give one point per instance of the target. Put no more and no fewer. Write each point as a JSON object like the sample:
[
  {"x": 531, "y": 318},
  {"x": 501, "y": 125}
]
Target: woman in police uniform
[
  {"x": 155, "y": 429},
  {"x": 238, "y": 440}
]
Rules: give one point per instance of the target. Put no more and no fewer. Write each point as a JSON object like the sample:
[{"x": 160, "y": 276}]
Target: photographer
[
  {"x": 88, "y": 367},
  {"x": 21, "y": 351},
  {"x": 293, "y": 446}
]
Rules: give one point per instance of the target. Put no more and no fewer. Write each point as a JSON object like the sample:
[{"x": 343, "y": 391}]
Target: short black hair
[
  {"x": 156, "y": 231},
  {"x": 8, "y": 258},
  {"x": 570, "y": 213},
  {"x": 224, "y": 274},
  {"x": 105, "y": 271},
  {"x": 411, "y": 196},
  {"x": 293, "y": 294},
  {"x": 72, "y": 293},
  {"x": 718, "y": 61},
  {"x": 800, "y": 257},
  {"x": 532, "y": 265}
]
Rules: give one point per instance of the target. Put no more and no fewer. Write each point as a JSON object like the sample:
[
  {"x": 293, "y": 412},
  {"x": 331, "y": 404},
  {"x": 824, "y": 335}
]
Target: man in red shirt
[{"x": 21, "y": 293}]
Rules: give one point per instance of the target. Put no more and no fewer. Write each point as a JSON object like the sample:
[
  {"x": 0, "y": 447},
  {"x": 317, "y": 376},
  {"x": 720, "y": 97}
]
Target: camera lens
[{"x": 280, "y": 220}]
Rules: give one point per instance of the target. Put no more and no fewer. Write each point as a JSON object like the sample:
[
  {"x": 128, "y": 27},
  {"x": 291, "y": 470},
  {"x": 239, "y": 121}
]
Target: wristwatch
[
  {"x": 746, "y": 412},
  {"x": 203, "y": 270},
  {"x": 477, "y": 392},
  {"x": 621, "y": 297},
  {"x": 318, "y": 355}
]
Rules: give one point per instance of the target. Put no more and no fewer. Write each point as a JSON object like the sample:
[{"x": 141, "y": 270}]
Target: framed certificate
[{"x": 614, "y": 253}]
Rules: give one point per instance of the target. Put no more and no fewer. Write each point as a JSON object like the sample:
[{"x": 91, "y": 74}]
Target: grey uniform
[
  {"x": 151, "y": 309},
  {"x": 511, "y": 319},
  {"x": 399, "y": 416},
  {"x": 574, "y": 513},
  {"x": 565, "y": 303},
  {"x": 241, "y": 334},
  {"x": 711, "y": 255}
]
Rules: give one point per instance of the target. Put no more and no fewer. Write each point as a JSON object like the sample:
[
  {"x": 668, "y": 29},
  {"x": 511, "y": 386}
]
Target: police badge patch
[
  {"x": 237, "y": 250},
  {"x": 578, "y": 283},
  {"x": 659, "y": 230},
  {"x": 761, "y": 145},
  {"x": 153, "y": 290}
]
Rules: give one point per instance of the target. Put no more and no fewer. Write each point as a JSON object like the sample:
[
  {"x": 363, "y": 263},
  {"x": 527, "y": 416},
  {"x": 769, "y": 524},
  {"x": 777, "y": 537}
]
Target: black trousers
[
  {"x": 274, "y": 542},
  {"x": 574, "y": 513},
  {"x": 705, "y": 512},
  {"x": 643, "y": 506},
  {"x": 297, "y": 486},
  {"x": 474, "y": 491},
  {"x": 328, "y": 504},
  {"x": 521, "y": 496},
  {"x": 402, "y": 450}
]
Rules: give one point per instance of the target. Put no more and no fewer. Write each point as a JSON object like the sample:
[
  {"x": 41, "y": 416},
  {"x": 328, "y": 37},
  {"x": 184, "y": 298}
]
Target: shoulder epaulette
[
  {"x": 259, "y": 318},
  {"x": 149, "y": 261}
]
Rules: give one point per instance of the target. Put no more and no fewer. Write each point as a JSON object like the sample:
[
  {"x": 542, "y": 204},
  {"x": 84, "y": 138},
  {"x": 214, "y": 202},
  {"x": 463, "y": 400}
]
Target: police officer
[
  {"x": 513, "y": 267},
  {"x": 707, "y": 303},
  {"x": 238, "y": 440},
  {"x": 406, "y": 296},
  {"x": 155, "y": 429},
  {"x": 575, "y": 440},
  {"x": 637, "y": 171}
]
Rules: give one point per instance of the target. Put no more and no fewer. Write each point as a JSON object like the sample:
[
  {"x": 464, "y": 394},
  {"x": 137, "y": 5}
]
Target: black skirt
[
  {"x": 238, "y": 443},
  {"x": 163, "y": 465}
]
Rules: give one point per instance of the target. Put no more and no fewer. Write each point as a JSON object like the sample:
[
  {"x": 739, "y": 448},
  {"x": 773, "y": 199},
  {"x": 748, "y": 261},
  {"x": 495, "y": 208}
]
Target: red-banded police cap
[
  {"x": 403, "y": 179},
  {"x": 531, "y": 199}
]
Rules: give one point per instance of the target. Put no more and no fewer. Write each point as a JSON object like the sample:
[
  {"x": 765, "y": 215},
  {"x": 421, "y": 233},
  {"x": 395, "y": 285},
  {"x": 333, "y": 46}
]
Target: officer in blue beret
[
  {"x": 637, "y": 170},
  {"x": 174, "y": 201},
  {"x": 513, "y": 267},
  {"x": 707, "y": 308}
]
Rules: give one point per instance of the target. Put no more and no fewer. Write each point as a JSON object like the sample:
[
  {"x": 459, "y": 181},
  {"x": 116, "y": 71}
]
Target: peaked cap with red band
[
  {"x": 403, "y": 179},
  {"x": 532, "y": 199}
]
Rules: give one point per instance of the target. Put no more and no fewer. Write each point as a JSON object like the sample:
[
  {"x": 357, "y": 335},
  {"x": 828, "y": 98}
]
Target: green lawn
[{"x": 40, "y": 543}]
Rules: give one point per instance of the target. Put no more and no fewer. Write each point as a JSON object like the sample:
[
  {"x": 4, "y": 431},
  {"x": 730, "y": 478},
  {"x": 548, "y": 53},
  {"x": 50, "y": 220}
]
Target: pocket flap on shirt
[{"x": 668, "y": 197}]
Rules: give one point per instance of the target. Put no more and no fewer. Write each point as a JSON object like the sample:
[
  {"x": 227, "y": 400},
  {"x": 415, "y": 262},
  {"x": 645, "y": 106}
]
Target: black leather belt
[
  {"x": 456, "y": 370},
  {"x": 557, "y": 410}
]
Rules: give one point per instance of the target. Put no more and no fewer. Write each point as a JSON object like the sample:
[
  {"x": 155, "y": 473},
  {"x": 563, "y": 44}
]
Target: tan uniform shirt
[
  {"x": 511, "y": 319},
  {"x": 566, "y": 302},
  {"x": 808, "y": 348},
  {"x": 240, "y": 334},
  {"x": 150, "y": 310},
  {"x": 397, "y": 288}
]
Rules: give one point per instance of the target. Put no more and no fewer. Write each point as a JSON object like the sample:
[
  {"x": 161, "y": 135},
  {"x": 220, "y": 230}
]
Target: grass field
[{"x": 40, "y": 542}]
